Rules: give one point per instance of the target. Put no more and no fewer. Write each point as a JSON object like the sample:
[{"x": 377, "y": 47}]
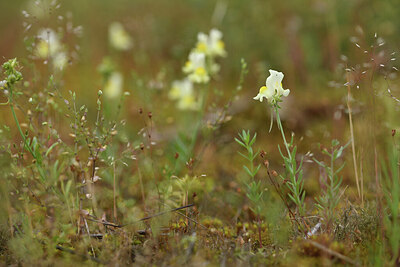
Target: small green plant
[
  {"x": 192, "y": 92},
  {"x": 246, "y": 141},
  {"x": 254, "y": 191},
  {"x": 13, "y": 76},
  {"x": 328, "y": 201},
  {"x": 294, "y": 171},
  {"x": 273, "y": 92}
]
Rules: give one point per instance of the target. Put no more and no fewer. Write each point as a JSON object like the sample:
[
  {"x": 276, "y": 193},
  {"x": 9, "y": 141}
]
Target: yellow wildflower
[
  {"x": 196, "y": 68},
  {"x": 183, "y": 92},
  {"x": 113, "y": 86},
  {"x": 273, "y": 89},
  {"x": 119, "y": 37}
]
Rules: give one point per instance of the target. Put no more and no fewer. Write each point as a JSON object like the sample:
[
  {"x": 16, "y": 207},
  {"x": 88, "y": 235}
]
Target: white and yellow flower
[
  {"x": 113, "y": 86},
  {"x": 188, "y": 102},
  {"x": 202, "y": 43},
  {"x": 217, "y": 46},
  {"x": 48, "y": 45},
  {"x": 180, "y": 88},
  {"x": 211, "y": 44},
  {"x": 119, "y": 37},
  {"x": 273, "y": 90},
  {"x": 183, "y": 92},
  {"x": 195, "y": 67}
]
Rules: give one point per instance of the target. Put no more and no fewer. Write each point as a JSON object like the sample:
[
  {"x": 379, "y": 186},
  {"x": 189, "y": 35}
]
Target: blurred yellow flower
[
  {"x": 202, "y": 43},
  {"x": 180, "y": 88},
  {"x": 188, "y": 102},
  {"x": 113, "y": 86},
  {"x": 195, "y": 67},
  {"x": 119, "y": 38},
  {"x": 183, "y": 92},
  {"x": 273, "y": 89},
  {"x": 211, "y": 44},
  {"x": 217, "y": 46},
  {"x": 48, "y": 45}
]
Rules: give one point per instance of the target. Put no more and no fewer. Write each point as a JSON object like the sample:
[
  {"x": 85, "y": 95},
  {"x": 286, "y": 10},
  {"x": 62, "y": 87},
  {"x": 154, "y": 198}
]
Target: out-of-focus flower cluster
[
  {"x": 50, "y": 48},
  {"x": 113, "y": 86},
  {"x": 182, "y": 91},
  {"x": 199, "y": 68},
  {"x": 119, "y": 38},
  {"x": 113, "y": 80}
]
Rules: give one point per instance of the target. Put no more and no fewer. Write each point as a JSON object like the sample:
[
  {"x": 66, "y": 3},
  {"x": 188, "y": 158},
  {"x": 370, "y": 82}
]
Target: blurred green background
[{"x": 304, "y": 39}]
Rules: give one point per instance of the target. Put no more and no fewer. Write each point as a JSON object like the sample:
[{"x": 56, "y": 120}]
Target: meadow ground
[{"x": 196, "y": 132}]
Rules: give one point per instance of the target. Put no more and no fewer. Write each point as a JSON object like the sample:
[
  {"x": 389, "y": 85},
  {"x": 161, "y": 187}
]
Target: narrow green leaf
[{"x": 51, "y": 148}]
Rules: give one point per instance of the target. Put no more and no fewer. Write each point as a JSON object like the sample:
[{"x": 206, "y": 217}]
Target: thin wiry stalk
[
  {"x": 278, "y": 119},
  {"x": 141, "y": 186},
  {"x": 88, "y": 231},
  {"x": 377, "y": 180},
  {"x": 115, "y": 203},
  {"x": 360, "y": 195}
]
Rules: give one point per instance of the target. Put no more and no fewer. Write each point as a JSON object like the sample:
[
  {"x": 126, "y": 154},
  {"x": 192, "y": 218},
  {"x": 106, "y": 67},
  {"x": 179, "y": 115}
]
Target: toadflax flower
[
  {"x": 273, "y": 89},
  {"x": 180, "y": 88},
  {"x": 202, "y": 43},
  {"x": 188, "y": 102},
  {"x": 211, "y": 44},
  {"x": 195, "y": 67},
  {"x": 118, "y": 37},
  {"x": 49, "y": 46},
  {"x": 183, "y": 92},
  {"x": 217, "y": 46},
  {"x": 113, "y": 86}
]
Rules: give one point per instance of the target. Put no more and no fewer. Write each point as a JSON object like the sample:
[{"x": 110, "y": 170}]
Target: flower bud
[
  {"x": 266, "y": 163},
  {"x": 12, "y": 79}
]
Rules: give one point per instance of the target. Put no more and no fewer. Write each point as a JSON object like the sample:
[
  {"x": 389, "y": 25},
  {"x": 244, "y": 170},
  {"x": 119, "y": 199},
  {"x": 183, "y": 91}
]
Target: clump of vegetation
[
  {"x": 330, "y": 197},
  {"x": 119, "y": 154}
]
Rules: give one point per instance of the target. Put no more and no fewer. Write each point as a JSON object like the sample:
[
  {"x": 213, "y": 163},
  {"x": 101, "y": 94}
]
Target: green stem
[
  {"x": 19, "y": 127},
  {"x": 196, "y": 129},
  {"x": 278, "y": 121},
  {"x": 295, "y": 184},
  {"x": 200, "y": 119},
  {"x": 26, "y": 145}
]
